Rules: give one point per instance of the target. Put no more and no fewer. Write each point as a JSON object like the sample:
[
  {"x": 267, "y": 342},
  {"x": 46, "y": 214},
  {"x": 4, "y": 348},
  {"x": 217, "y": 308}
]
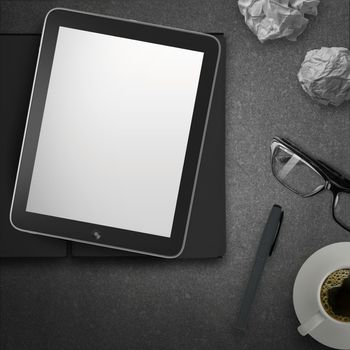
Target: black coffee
[{"x": 335, "y": 295}]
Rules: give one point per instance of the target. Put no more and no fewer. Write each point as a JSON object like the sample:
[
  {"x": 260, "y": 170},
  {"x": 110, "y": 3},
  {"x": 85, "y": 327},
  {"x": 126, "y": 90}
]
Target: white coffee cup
[
  {"x": 321, "y": 315},
  {"x": 313, "y": 318}
]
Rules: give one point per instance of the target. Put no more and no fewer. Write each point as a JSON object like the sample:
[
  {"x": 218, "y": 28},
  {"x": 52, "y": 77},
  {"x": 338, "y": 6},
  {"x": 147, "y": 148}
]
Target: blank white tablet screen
[{"x": 114, "y": 131}]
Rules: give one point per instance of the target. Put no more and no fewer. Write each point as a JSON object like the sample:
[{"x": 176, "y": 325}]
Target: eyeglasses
[{"x": 306, "y": 177}]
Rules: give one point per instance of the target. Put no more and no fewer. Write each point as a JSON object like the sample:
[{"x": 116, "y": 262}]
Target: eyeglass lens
[{"x": 295, "y": 173}]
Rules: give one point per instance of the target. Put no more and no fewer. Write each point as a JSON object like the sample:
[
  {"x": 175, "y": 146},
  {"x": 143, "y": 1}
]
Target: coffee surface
[{"x": 334, "y": 280}]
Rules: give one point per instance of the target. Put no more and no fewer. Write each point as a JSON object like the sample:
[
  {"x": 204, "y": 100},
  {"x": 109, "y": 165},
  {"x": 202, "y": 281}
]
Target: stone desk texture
[{"x": 147, "y": 303}]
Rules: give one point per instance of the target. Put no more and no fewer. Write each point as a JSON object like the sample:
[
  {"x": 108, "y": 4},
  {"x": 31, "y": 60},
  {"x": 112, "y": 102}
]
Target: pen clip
[{"x": 273, "y": 245}]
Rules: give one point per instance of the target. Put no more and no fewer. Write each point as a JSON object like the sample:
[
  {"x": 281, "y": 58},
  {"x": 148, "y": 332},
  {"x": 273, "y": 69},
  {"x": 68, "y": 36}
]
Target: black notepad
[
  {"x": 115, "y": 132},
  {"x": 206, "y": 237},
  {"x": 17, "y": 65}
]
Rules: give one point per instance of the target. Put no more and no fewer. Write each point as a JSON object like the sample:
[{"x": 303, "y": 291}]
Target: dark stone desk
[{"x": 152, "y": 304}]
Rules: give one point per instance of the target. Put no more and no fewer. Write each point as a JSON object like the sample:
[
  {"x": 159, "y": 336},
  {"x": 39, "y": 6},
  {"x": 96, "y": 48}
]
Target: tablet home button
[{"x": 96, "y": 234}]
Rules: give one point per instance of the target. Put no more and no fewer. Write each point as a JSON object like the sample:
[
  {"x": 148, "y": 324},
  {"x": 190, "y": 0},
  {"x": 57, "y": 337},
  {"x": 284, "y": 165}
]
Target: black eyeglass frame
[{"x": 333, "y": 180}]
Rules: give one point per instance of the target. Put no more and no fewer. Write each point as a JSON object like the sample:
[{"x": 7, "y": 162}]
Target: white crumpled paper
[
  {"x": 325, "y": 75},
  {"x": 273, "y": 19}
]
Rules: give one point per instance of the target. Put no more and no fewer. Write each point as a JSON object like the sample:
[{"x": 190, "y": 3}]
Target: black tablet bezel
[{"x": 99, "y": 234}]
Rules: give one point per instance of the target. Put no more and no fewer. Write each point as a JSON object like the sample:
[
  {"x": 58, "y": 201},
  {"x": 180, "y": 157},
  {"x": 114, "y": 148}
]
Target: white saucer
[{"x": 315, "y": 268}]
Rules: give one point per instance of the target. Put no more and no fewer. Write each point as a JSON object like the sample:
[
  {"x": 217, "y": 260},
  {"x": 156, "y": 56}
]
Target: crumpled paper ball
[
  {"x": 325, "y": 75},
  {"x": 273, "y": 19}
]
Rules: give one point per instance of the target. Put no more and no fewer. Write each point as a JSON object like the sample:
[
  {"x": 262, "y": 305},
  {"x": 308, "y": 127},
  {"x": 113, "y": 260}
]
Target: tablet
[{"x": 114, "y": 132}]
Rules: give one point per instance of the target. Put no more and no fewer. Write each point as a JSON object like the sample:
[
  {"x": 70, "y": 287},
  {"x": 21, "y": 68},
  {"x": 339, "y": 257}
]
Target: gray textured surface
[{"x": 151, "y": 304}]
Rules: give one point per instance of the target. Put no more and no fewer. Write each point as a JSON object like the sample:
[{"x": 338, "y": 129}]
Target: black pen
[{"x": 265, "y": 250}]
